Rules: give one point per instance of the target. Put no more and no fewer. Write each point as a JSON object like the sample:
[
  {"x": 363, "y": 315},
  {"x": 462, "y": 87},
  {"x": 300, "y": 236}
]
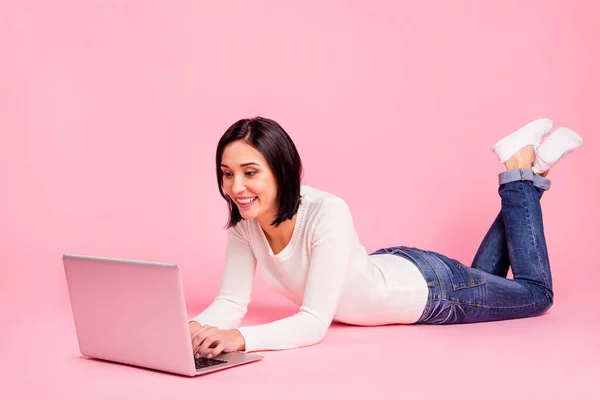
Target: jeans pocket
[
  {"x": 461, "y": 276},
  {"x": 464, "y": 277}
]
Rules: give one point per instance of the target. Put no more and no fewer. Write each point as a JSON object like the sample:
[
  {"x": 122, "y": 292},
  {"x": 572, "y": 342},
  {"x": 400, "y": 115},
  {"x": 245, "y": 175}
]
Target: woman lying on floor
[{"x": 306, "y": 247}]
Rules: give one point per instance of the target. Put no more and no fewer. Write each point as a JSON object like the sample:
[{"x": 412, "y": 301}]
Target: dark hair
[{"x": 273, "y": 142}]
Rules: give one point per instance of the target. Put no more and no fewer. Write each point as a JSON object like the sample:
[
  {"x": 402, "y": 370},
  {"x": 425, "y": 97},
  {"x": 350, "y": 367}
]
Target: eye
[
  {"x": 251, "y": 173},
  {"x": 227, "y": 174}
]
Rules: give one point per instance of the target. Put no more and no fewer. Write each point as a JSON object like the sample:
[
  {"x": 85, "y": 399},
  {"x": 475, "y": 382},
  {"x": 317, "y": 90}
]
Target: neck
[{"x": 280, "y": 232}]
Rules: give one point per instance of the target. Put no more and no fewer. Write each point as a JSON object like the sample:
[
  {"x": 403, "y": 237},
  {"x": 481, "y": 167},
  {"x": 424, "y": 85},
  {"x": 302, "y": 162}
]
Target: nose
[{"x": 238, "y": 185}]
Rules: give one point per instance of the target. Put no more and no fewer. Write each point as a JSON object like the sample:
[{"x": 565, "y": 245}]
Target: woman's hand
[{"x": 206, "y": 336}]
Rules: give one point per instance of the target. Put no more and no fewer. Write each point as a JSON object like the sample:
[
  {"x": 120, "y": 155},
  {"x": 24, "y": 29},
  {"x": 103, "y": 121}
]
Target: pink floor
[
  {"x": 109, "y": 116},
  {"x": 556, "y": 355}
]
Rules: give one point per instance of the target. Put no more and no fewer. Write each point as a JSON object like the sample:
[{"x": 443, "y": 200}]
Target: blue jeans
[{"x": 463, "y": 294}]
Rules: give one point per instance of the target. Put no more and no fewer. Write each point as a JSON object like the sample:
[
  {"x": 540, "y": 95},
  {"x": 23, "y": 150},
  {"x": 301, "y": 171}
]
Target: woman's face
[{"x": 248, "y": 181}]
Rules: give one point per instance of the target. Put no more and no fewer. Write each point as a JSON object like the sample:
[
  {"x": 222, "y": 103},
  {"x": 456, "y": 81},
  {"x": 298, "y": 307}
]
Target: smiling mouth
[{"x": 247, "y": 202}]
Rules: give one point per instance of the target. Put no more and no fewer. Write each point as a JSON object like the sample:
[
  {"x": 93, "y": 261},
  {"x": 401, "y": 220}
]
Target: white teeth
[{"x": 248, "y": 201}]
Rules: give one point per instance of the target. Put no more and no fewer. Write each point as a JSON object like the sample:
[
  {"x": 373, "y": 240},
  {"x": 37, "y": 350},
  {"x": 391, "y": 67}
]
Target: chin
[{"x": 247, "y": 215}]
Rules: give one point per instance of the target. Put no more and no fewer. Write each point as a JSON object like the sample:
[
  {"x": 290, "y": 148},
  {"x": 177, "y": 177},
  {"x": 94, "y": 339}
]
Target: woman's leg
[
  {"x": 525, "y": 242},
  {"x": 524, "y": 227},
  {"x": 492, "y": 254},
  {"x": 461, "y": 294}
]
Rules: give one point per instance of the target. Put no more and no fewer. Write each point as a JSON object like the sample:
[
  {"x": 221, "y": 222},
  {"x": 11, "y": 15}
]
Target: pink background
[{"x": 109, "y": 116}]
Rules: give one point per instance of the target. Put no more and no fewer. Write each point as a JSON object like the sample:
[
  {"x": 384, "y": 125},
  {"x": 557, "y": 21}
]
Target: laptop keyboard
[{"x": 204, "y": 362}]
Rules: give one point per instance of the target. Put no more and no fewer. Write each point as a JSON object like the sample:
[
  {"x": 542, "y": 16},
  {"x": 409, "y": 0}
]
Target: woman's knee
[
  {"x": 545, "y": 299},
  {"x": 550, "y": 299}
]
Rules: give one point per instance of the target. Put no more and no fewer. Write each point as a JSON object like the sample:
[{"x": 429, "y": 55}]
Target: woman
[{"x": 304, "y": 242}]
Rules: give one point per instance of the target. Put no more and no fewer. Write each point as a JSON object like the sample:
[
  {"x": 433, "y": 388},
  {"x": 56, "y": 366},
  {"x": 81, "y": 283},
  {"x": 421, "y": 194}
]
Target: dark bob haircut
[{"x": 273, "y": 142}]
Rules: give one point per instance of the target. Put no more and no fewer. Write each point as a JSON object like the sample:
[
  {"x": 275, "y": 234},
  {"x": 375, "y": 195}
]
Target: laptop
[{"x": 133, "y": 313}]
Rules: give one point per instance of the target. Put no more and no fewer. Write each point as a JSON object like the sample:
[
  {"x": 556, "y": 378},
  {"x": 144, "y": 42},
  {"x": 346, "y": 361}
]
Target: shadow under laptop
[{"x": 93, "y": 364}]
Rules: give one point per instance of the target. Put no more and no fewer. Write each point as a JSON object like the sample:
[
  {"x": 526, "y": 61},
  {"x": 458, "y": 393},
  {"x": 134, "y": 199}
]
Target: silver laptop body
[{"x": 133, "y": 312}]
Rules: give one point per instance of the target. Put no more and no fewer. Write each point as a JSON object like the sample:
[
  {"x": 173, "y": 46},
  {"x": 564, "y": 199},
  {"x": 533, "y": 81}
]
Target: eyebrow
[{"x": 243, "y": 165}]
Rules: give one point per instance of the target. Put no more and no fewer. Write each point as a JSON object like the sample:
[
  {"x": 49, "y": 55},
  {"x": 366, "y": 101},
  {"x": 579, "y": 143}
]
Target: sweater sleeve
[
  {"x": 331, "y": 245},
  {"x": 231, "y": 303}
]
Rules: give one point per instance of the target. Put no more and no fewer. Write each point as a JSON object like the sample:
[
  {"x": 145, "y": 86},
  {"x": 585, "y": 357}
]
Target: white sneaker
[
  {"x": 557, "y": 145},
  {"x": 530, "y": 134}
]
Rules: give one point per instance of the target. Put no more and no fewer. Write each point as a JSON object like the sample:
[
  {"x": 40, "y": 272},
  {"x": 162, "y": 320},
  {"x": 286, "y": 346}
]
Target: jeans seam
[
  {"x": 437, "y": 273},
  {"x": 462, "y": 302},
  {"x": 509, "y": 307},
  {"x": 492, "y": 307},
  {"x": 532, "y": 235}
]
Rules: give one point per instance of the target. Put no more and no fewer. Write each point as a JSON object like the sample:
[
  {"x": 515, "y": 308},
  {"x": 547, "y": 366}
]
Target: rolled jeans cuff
[{"x": 523, "y": 174}]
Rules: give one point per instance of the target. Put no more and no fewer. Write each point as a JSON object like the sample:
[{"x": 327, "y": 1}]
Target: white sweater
[{"x": 324, "y": 270}]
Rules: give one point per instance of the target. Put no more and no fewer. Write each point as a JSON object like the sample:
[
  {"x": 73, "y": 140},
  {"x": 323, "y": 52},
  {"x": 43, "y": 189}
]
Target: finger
[
  {"x": 216, "y": 351},
  {"x": 198, "y": 339},
  {"x": 206, "y": 327},
  {"x": 201, "y": 335},
  {"x": 194, "y": 327},
  {"x": 206, "y": 344}
]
